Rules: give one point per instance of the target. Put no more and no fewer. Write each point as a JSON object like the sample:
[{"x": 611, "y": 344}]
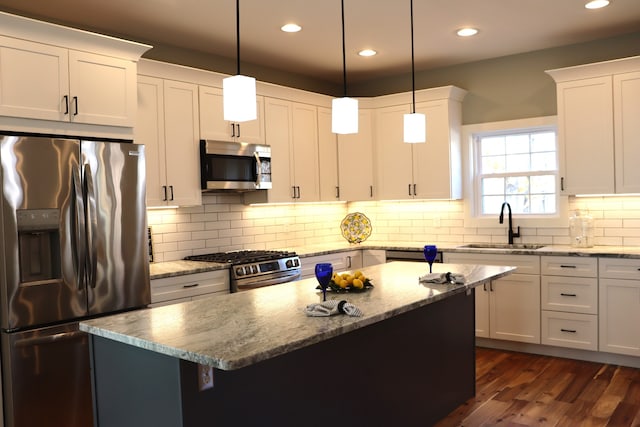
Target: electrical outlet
[{"x": 205, "y": 377}]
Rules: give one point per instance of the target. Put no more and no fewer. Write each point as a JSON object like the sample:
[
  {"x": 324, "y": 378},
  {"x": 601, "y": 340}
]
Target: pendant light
[
  {"x": 415, "y": 124},
  {"x": 239, "y": 92},
  {"x": 344, "y": 111}
]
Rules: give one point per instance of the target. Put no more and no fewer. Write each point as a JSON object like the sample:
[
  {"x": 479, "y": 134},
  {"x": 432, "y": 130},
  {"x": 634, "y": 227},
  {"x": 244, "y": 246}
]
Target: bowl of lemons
[{"x": 350, "y": 282}]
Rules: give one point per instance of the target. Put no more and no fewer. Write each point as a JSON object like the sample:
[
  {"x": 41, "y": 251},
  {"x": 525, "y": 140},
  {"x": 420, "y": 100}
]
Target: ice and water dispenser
[
  {"x": 581, "y": 229},
  {"x": 39, "y": 243}
]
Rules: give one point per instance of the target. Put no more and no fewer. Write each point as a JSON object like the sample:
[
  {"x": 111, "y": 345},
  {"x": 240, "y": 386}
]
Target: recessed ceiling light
[
  {"x": 367, "y": 52},
  {"x": 597, "y": 4},
  {"x": 291, "y": 28},
  {"x": 467, "y": 32}
]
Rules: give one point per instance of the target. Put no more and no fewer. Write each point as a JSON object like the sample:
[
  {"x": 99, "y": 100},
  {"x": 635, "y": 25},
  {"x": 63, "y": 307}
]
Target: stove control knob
[
  {"x": 254, "y": 269},
  {"x": 289, "y": 263},
  {"x": 296, "y": 262},
  {"x": 240, "y": 271}
]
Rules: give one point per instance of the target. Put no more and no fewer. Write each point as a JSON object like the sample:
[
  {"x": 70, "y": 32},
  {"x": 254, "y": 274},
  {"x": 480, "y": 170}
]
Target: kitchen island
[{"x": 409, "y": 360}]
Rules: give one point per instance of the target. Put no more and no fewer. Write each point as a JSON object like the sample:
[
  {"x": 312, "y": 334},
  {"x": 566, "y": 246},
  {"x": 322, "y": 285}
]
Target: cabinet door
[
  {"x": 514, "y": 308},
  {"x": 102, "y": 89},
  {"x": 619, "y": 316},
  {"x": 149, "y": 130},
  {"x": 182, "y": 143},
  {"x": 393, "y": 156},
  {"x": 214, "y": 126},
  {"x": 278, "y": 129},
  {"x": 585, "y": 128},
  {"x": 355, "y": 160},
  {"x": 437, "y": 166},
  {"x": 34, "y": 80},
  {"x": 626, "y": 98},
  {"x": 327, "y": 157},
  {"x": 482, "y": 311},
  {"x": 306, "y": 175}
]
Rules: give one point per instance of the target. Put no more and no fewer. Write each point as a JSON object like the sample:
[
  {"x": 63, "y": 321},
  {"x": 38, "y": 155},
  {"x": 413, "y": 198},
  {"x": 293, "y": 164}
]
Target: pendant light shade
[
  {"x": 415, "y": 124},
  {"x": 344, "y": 111},
  {"x": 239, "y": 92},
  {"x": 239, "y": 98},
  {"x": 344, "y": 115}
]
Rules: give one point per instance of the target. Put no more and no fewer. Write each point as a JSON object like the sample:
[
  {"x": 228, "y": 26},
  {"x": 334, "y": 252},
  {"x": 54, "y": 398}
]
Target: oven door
[
  {"x": 234, "y": 166},
  {"x": 265, "y": 280}
]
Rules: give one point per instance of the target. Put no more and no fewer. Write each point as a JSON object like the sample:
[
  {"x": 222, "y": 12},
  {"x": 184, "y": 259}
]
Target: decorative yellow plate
[{"x": 356, "y": 227}]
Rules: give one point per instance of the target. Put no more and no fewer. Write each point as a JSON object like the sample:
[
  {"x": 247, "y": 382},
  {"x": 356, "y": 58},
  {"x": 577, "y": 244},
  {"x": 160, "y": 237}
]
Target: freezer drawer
[{"x": 46, "y": 377}]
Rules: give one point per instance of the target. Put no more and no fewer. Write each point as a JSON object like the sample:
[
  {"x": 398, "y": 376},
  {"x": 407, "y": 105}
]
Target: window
[{"x": 519, "y": 167}]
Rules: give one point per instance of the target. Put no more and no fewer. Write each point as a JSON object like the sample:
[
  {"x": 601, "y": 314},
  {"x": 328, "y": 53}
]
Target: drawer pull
[
  {"x": 568, "y": 295},
  {"x": 573, "y": 331},
  {"x": 567, "y": 266},
  {"x": 192, "y": 285}
]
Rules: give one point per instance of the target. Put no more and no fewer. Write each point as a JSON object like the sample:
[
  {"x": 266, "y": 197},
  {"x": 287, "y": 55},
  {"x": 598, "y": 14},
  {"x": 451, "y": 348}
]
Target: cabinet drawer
[
  {"x": 569, "y": 266},
  {"x": 189, "y": 285},
  {"x": 574, "y": 294},
  {"x": 526, "y": 264},
  {"x": 570, "y": 330},
  {"x": 619, "y": 268}
]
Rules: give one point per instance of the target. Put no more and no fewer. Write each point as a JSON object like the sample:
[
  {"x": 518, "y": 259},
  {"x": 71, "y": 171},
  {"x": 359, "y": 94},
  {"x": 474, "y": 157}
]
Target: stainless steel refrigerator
[{"x": 74, "y": 246}]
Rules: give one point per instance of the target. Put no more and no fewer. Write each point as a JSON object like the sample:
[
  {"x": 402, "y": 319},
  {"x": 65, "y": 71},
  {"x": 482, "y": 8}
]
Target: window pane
[
  {"x": 519, "y": 204},
  {"x": 493, "y": 164},
  {"x": 517, "y": 144},
  {"x": 517, "y": 185},
  {"x": 492, "y": 146},
  {"x": 543, "y": 204},
  {"x": 492, "y": 204},
  {"x": 543, "y": 184},
  {"x": 493, "y": 186},
  {"x": 518, "y": 163},
  {"x": 543, "y": 141},
  {"x": 543, "y": 161}
]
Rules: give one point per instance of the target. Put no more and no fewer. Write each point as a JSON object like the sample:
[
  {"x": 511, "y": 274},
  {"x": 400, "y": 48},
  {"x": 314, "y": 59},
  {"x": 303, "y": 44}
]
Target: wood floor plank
[{"x": 516, "y": 389}]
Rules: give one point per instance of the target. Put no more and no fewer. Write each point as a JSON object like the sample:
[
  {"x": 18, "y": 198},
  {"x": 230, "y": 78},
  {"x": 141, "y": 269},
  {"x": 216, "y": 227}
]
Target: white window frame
[{"x": 472, "y": 215}]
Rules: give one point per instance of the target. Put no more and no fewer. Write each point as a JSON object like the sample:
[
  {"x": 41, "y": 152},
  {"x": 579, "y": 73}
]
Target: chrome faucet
[{"x": 511, "y": 233}]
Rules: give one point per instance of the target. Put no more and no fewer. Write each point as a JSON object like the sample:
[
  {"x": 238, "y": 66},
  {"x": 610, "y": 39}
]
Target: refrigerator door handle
[
  {"x": 92, "y": 227},
  {"x": 79, "y": 230},
  {"x": 48, "y": 339}
]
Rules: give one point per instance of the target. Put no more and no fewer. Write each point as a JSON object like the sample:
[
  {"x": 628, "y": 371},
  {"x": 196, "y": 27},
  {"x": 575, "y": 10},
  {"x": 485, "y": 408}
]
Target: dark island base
[{"x": 409, "y": 370}]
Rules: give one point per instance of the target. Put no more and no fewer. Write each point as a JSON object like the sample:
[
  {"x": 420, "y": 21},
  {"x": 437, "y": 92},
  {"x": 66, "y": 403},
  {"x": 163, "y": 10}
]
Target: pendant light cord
[
  {"x": 344, "y": 55},
  {"x": 238, "y": 36},
  {"x": 413, "y": 69}
]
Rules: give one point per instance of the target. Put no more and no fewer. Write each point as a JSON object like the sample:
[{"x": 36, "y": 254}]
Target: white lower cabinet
[
  {"x": 619, "y": 318},
  {"x": 341, "y": 261},
  {"x": 569, "y": 295},
  {"x": 171, "y": 290},
  {"x": 507, "y": 308}
]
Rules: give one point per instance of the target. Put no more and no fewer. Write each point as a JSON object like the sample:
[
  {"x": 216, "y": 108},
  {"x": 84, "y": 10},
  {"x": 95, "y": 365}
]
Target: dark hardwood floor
[{"x": 516, "y": 389}]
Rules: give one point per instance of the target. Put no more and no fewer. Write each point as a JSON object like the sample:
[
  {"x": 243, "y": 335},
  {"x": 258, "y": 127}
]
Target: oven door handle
[{"x": 269, "y": 282}]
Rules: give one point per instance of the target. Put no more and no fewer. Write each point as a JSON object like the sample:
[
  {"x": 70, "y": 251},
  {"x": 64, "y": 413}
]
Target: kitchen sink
[{"x": 502, "y": 246}]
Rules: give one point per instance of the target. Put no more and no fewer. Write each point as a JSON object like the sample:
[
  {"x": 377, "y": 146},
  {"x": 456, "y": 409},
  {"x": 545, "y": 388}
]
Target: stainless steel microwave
[{"x": 226, "y": 165}]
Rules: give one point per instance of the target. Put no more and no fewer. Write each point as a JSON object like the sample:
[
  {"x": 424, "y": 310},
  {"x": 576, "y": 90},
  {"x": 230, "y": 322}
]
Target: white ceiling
[{"x": 506, "y": 27}]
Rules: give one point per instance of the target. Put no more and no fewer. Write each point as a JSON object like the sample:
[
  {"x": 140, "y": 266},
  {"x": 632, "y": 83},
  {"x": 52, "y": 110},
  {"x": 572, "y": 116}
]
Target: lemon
[
  {"x": 357, "y": 283},
  {"x": 343, "y": 283},
  {"x": 357, "y": 273}
]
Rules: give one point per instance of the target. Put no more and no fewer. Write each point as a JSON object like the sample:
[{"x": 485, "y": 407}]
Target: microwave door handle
[
  {"x": 258, "y": 169},
  {"x": 78, "y": 229}
]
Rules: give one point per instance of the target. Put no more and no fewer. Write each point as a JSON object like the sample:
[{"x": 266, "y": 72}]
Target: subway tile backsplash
[{"x": 224, "y": 223}]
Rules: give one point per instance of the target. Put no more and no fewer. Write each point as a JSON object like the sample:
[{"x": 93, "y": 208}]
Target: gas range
[{"x": 256, "y": 268}]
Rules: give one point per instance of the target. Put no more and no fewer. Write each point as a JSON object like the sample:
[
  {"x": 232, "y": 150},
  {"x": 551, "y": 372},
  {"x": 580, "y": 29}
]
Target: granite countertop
[
  {"x": 236, "y": 330},
  {"x": 160, "y": 270}
]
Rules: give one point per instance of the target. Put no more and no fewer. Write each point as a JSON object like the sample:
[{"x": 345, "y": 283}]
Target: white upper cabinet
[
  {"x": 291, "y": 129},
  {"x": 598, "y": 130},
  {"x": 420, "y": 171},
  {"x": 327, "y": 157},
  {"x": 214, "y": 126},
  {"x": 168, "y": 126},
  {"x": 49, "y": 72}
]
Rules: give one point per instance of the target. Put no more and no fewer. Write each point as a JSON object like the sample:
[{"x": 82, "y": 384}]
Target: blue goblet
[
  {"x": 324, "y": 272},
  {"x": 430, "y": 253}
]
